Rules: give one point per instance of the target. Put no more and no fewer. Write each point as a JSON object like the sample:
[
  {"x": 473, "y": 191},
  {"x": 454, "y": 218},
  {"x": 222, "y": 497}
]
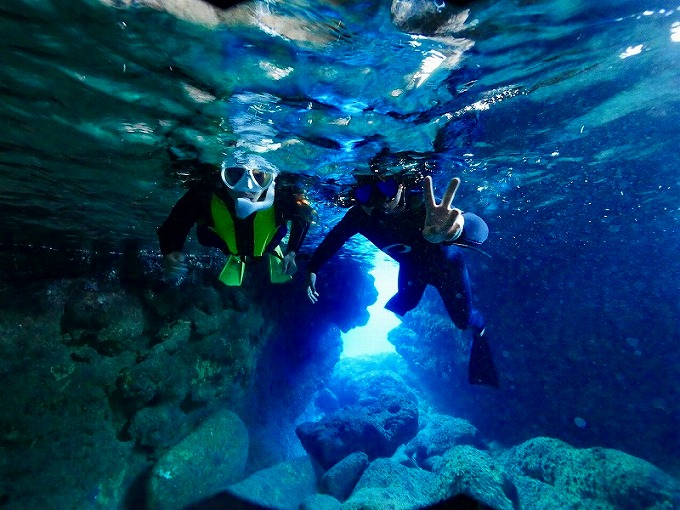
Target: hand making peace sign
[{"x": 442, "y": 222}]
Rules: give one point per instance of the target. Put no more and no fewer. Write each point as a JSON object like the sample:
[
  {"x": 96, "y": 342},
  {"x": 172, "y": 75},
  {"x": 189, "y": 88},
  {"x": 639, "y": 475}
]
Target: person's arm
[
  {"x": 298, "y": 211},
  {"x": 173, "y": 232},
  {"x": 334, "y": 240}
]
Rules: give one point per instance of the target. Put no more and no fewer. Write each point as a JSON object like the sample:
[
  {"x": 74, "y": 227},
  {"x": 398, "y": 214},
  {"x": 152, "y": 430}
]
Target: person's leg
[
  {"x": 452, "y": 281},
  {"x": 411, "y": 286}
]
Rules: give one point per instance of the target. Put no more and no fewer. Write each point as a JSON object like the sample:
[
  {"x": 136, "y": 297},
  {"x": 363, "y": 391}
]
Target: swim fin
[
  {"x": 232, "y": 274},
  {"x": 482, "y": 369},
  {"x": 276, "y": 274}
]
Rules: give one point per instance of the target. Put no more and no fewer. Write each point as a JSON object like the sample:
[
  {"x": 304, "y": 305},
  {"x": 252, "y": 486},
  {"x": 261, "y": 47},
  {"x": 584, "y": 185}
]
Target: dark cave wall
[{"x": 108, "y": 369}]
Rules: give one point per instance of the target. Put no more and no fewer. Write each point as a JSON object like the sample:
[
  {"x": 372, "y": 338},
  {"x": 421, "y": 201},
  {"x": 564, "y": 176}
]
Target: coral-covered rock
[
  {"x": 601, "y": 475},
  {"x": 155, "y": 378},
  {"x": 386, "y": 484},
  {"x": 374, "y": 425},
  {"x": 339, "y": 481},
  {"x": 439, "y": 435},
  {"x": 202, "y": 464},
  {"x": 109, "y": 321},
  {"x": 467, "y": 470}
]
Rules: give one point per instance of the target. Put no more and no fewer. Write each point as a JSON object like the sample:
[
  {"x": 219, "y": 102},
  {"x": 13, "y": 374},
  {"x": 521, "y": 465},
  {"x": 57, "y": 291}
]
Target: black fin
[{"x": 482, "y": 369}]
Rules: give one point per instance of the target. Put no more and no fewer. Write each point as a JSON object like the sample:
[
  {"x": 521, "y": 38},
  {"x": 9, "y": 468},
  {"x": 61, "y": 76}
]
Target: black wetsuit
[
  {"x": 195, "y": 208},
  {"x": 420, "y": 262}
]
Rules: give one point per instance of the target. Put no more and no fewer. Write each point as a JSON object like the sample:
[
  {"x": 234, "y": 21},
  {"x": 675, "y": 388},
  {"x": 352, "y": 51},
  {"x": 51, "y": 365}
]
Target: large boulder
[
  {"x": 387, "y": 484},
  {"x": 467, "y": 470},
  {"x": 374, "y": 425},
  {"x": 339, "y": 481},
  {"x": 439, "y": 435},
  {"x": 283, "y": 486},
  {"x": 600, "y": 475},
  {"x": 202, "y": 464}
]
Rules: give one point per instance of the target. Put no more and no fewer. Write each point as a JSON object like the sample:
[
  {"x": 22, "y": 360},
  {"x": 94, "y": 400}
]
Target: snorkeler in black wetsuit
[{"x": 425, "y": 238}]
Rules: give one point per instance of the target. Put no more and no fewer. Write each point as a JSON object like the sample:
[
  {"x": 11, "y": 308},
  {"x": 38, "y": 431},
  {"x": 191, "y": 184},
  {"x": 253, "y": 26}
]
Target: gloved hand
[
  {"x": 312, "y": 294},
  {"x": 175, "y": 265},
  {"x": 288, "y": 265},
  {"x": 442, "y": 222}
]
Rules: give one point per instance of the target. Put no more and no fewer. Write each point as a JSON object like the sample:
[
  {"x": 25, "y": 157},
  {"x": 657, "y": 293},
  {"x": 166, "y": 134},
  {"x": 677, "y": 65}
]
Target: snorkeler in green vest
[{"x": 238, "y": 211}]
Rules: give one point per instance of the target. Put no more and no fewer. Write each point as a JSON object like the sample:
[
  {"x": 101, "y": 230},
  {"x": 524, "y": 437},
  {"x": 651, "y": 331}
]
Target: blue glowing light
[{"x": 372, "y": 338}]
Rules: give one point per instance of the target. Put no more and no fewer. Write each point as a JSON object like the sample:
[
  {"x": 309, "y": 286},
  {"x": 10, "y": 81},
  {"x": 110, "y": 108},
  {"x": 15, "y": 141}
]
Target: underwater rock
[
  {"x": 159, "y": 376},
  {"x": 326, "y": 401},
  {"x": 374, "y": 425},
  {"x": 386, "y": 484},
  {"x": 158, "y": 427},
  {"x": 173, "y": 335},
  {"x": 467, "y": 470},
  {"x": 109, "y": 321},
  {"x": 350, "y": 383},
  {"x": 536, "y": 495},
  {"x": 441, "y": 434},
  {"x": 339, "y": 481},
  {"x": 320, "y": 502},
  {"x": 601, "y": 475},
  {"x": 283, "y": 486},
  {"x": 202, "y": 464}
]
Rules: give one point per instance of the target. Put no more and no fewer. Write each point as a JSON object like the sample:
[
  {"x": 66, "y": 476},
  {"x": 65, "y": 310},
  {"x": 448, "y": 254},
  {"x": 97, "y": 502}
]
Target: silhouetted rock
[{"x": 374, "y": 425}]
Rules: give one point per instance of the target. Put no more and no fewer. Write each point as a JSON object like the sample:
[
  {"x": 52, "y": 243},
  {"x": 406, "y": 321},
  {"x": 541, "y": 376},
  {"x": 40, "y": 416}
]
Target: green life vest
[{"x": 264, "y": 228}]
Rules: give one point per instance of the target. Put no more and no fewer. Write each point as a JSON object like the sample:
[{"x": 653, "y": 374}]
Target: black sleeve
[
  {"x": 298, "y": 232},
  {"x": 339, "y": 234},
  {"x": 294, "y": 208},
  {"x": 174, "y": 231}
]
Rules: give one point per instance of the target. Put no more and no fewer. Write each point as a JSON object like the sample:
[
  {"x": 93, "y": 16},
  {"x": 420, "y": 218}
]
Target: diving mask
[
  {"x": 247, "y": 180},
  {"x": 376, "y": 192}
]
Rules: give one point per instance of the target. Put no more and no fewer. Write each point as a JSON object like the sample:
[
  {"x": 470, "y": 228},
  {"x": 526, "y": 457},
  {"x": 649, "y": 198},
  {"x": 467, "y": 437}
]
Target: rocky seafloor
[{"x": 122, "y": 391}]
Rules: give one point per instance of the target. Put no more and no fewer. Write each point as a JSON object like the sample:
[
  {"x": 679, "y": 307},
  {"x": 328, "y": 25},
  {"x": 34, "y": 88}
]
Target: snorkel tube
[{"x": 245, "y": 207}]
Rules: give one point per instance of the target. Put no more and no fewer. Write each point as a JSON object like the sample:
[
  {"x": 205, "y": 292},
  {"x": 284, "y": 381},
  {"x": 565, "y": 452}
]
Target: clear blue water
[
  {"x": 559, "y": 116},
  {"x": 541, "y": 114}
]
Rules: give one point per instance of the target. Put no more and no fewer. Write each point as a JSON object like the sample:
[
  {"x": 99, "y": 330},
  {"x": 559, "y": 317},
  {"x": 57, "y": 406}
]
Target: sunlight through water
[{"x": 372, "y": 338}]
